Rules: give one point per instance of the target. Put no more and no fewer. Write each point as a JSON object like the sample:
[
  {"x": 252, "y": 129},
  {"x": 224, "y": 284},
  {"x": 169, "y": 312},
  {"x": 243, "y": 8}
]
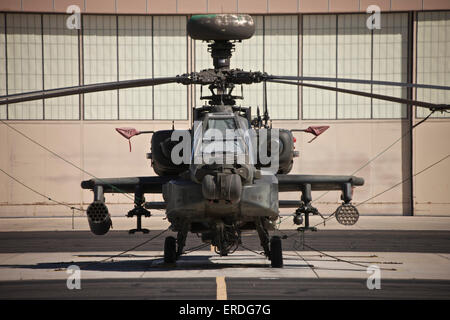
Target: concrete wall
[
  {"x": 432, "y": 187},
  {"x": 95, "y": 147}
]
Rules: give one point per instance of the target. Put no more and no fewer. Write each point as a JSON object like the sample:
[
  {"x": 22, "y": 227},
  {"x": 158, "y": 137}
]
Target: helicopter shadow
[{"x": 191, "y": 262}]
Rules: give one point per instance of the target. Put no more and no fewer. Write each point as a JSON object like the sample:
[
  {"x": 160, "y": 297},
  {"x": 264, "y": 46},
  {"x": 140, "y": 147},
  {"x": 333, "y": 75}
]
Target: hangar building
[{"x": 130, "y": 39}]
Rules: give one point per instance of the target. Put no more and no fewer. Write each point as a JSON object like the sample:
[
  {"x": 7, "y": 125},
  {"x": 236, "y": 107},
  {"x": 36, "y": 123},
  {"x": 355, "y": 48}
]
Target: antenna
[
  {"x": 258, "y": 117},
  {"x": 266, "y": 111}
]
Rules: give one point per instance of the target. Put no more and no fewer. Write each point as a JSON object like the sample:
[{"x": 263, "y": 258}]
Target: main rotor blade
[
  {"x": 67, "y": 91},
  {"x": 431, "y": 106},
  {"x": 360, "y": 81}
]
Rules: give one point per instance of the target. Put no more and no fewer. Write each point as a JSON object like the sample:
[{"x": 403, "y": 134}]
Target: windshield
[
  {"x": 222, "y": 142},
  {"x": 222, "y": 125}
]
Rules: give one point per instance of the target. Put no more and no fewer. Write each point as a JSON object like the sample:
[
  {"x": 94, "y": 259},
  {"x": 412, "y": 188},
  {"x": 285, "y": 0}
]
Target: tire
[
  {"x": 170, "y": 250},
  {"x": 276, "y": 252}
]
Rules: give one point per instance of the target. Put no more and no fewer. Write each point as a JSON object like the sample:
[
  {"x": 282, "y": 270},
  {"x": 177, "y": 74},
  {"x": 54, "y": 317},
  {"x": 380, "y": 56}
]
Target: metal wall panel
[
  {"x": 319, "y": 59},
  {"x": 354, "y": 55},
  {"x": 3, "y": 114},
  {"x": 249, "y": 55},
  {"x": 281, "y": 58},
  {"x": 170, "y": 59},
  {"x": 100, "y": 65},
  {"x": 24, "y": 52},
  {"x": 350, "y": 50},
  {"x": 61, "y": 67},
  {"x": 203, "y": 60},
  {"x": 390, "y": 63},
  {"x": 433, "y": 58},
  {"x": 135, "y": 62}
]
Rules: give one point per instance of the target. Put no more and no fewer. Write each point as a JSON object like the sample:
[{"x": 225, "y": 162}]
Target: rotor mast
[
  {"x": 220, "y": 31},
  {"x": 221, "y": 52}
]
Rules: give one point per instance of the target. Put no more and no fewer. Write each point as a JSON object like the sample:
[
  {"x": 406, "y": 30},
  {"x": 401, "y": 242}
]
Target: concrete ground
[
  {"x": 158, "y": 222},
  {"x": 411, "y": 255}
]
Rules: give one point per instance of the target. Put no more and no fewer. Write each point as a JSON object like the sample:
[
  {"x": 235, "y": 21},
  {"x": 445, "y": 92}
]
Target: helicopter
[{"x": 223, "y": 175}]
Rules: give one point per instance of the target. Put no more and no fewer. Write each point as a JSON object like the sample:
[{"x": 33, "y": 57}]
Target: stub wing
[
  {"x": 97, "y": 212},
  {"x": 297, "y": 182},
  {"x": 128, "y": 185},
  {"x": 346, "y": 214}
]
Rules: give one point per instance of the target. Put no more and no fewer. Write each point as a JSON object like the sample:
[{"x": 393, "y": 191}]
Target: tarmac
[
  {"x": 158, "y": 222},
  {"x": 409, "y": 255}
]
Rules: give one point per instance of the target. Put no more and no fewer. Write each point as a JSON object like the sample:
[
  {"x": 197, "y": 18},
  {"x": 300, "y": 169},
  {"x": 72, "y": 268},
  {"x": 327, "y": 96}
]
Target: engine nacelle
[
  {"x": 285, "y": 146},
  {"x": 161, "y": 149},
  {"x": 99, "y": 218}
]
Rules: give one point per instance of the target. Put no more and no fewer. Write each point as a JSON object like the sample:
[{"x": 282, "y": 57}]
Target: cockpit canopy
[{"x": 221, "y": 139}]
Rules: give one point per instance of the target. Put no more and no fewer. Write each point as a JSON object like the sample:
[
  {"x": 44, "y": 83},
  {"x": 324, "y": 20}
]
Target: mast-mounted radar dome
[{"x": 221, "y": 27}]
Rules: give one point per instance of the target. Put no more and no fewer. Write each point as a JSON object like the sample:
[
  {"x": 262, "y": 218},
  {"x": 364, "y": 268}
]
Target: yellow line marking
[{"x": 221, "y": 288}]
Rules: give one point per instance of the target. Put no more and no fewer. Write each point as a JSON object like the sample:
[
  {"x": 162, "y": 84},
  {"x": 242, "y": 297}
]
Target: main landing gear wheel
[
  {"x": 276, "y": 252},
  {"x": 170, "y": 250}
]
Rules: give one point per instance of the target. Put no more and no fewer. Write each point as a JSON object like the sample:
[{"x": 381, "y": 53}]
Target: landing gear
[
  {"x": 181, "y": 238},
  {"x": 263, "y": 236},
  {"x": 173, "y": 247},
  {"x": 170, "y": 250},
  {"x": 226, "y": 239},
  {"x": 276, "y": 252},
  {"x": 272, "y": 248}
]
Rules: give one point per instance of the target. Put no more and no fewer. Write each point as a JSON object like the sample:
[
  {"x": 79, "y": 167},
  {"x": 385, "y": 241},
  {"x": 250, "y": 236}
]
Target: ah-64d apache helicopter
[{"x": 212, "y": 197}]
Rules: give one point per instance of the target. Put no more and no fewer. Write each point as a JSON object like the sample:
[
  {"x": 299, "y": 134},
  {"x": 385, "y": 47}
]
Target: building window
[
  {"x": 433, "y": 59},
  {"x": 202, "y": 61},
  {"x": 61, "y": 67},
  {"x": 100, "y": 65},
  {"x": 390, "y": 63},
  {"x": 170, "y": 59},
  {"x": 135, "y": 62},
  {"x": 354, "y": 60},
  {"x": 248, "y": 56},
  {"x": 341, "y": 46},
  {"x": 39, "y": 53},
  {"x": 24, "y": 63},
  {"x": 281, "y": 58},
  {"x": 319, "y": 60},
  {"x": 3, "y": 91}
]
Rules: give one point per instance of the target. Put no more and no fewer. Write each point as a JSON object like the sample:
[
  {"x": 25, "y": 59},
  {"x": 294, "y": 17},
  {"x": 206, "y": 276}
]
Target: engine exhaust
[{"x": 99, "y": 218}]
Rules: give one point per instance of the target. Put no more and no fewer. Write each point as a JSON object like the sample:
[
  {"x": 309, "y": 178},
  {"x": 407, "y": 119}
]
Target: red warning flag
[
  {"x": 317, "y": 131},
  {"x": 128, "y": 133}
]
